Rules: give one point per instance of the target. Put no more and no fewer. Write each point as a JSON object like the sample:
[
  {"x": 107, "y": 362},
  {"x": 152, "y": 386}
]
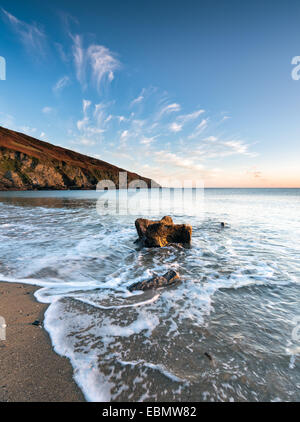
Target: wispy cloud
[
  {"x": 175, "y": 144},
  {"x": 79, "y": 58},
  {"x": 7, "y": 120},
  {"x": 237, "y": 147},
  {"x": 124, "y": 137},
  {"x": 178, "y": 161},
  {"x": 90, "y": 126},
  {"x": 61, "y": 84},
  {"x": 97, "y": 59},
  {"x": 147, "y": 141},
  {"x": 175, "y": 127},
  {"x": 30, "y": 35},
  {"x": 199, "y": 129},
  {"x": 184, "y": 118},
  {"x": 210, "y": 139},
  {"x": 28, "y": 130},
  {"x": 170, "y": 108},
  {"x": 81, "y": 124},
  {"x": 138, "y": 99},
  {"x": 63, "y": 55},
  {"x": 47, "y": 110},
  {"x": 223, "y": 148},
  {"x": 103, "y": 64}
]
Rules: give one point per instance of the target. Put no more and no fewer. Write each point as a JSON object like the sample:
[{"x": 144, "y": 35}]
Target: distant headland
[{"x": 27, "y": 163}]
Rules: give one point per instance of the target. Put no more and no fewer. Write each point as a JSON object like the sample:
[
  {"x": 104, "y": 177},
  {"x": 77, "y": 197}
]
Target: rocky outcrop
[
  {"x": 156, "y": 281},
  {"x": 27, "y": 163},
  {"x": 163, "y": 232}
]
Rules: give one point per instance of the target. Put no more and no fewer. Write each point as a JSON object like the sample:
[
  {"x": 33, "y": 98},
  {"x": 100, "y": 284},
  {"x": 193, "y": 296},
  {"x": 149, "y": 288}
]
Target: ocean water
[{"x": 224, "y": 333}]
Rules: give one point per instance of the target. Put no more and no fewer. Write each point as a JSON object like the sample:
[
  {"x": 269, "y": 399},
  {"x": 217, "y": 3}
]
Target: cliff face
[{"x": 27, "y": 163}]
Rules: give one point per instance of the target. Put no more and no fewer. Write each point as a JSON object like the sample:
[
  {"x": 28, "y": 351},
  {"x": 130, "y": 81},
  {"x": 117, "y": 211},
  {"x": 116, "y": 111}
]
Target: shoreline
[{"x": 30, "y": 370}]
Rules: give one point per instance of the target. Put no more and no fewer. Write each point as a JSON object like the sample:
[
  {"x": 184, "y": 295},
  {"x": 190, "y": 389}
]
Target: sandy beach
[{"x": 30, "y": 371}]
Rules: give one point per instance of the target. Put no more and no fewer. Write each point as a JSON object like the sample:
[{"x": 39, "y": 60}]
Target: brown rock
[
  {"x": 161, "y": 233},
  {"x": 156, "y": 281}
]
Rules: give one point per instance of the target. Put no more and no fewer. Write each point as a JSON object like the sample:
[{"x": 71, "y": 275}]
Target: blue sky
[{"x": 169, "y": 89}]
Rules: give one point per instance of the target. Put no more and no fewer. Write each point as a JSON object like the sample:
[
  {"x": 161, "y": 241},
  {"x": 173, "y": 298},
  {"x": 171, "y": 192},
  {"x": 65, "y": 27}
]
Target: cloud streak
[
  {"x": 61, "y": 84},
  {"x": 170, "y": 108},
  {"x": 30, "y": 35},
  {"x": 96, "y": 59}
]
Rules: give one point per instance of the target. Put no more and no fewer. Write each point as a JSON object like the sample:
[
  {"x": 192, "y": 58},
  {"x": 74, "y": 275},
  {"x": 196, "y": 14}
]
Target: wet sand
[{"x": 30, "y": 371}]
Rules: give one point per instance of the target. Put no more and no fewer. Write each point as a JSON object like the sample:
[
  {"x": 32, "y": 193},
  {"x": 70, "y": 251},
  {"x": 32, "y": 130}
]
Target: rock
[
  {"x": 210, "y": 358},
  {"x": 156, "y": 281},
  {"x": 163, "y": 232}
]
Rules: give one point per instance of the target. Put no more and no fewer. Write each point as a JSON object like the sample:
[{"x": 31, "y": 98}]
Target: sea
[{"x": 228, "y": 331}]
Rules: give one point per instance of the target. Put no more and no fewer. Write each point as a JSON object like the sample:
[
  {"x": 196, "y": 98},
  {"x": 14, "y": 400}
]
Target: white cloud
[
  {"x": 225, "y": 118},
  {"x": 184, "y": 118},
  {"x": 237, "y": 147},
  {"x": 61, "y": 84},
  {"x": 87, "y": 127},
  {"x": 85, "y": 105},
  {"x": 7, "y": 120},
  {"x": 147, "y": 141},
  {"x": 178, "y": 161},
  {"x": 175, "y": 127},
  {"x": 202, "y": 125},
  {"x": 79, "y": 58},
  {"x": 103, "y": 64},
  {"x": 199, "y": 129},
  {"x": 211, "y": 139},
  {"x": 81, "y": 124},
  {"x": 142, "y": 135},
  {"x": 47, "y": 110},
  {"x": 108, "y": 118},
  {"x": 28, "y": 130},
  {"x": 99, "y": 59},
  {"x": 30, "y": 35},
  {"x": 139, "y": 99},
  {"x": 86, "y": 142},
  {"x": 221, "y": 149},
  {"x": 169, "y": 109},
  {"x": 61, "y": 51},
  {"x": 124, "y": 134},
  {"x": 100, "y": 114}
]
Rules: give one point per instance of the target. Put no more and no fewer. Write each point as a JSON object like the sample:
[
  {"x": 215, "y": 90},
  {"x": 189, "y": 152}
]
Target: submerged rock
[
  {"x": 156, "y": 281},
  {"x": 163, "y": 232},
  {"x": 210, "y": 358}
]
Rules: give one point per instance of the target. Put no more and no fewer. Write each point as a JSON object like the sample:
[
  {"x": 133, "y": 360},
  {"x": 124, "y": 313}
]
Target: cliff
[{"x": 27, "y": 163}]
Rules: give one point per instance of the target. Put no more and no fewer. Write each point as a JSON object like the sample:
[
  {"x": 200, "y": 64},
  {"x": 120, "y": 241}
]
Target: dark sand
[{"x": 30, "y": 371}]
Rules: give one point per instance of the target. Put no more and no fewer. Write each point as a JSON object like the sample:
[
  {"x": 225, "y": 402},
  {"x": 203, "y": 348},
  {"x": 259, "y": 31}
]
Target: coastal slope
[{"x": 27, "y": 163}]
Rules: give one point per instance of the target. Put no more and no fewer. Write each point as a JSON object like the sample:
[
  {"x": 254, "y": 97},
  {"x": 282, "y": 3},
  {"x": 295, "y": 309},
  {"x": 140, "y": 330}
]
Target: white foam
[
  {"x": 84, "y": 265},
  {"x": 155, "y": 367}
]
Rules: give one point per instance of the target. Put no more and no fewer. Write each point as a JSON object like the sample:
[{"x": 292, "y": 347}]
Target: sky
[{"x": 173, "y": 90}]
